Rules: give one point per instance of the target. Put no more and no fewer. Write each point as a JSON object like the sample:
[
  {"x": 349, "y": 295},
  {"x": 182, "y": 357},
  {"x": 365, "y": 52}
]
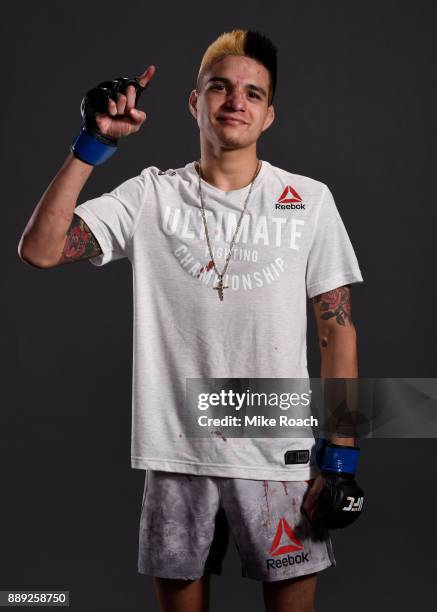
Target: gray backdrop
[{"x": 355, "y": 108}]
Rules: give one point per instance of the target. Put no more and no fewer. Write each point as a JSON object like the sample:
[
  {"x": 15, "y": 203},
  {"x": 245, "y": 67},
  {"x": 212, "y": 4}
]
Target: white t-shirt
[{"x": 291, "y": 244}]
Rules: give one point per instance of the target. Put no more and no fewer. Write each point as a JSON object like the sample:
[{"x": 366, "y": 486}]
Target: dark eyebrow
[{"x": 257, "y": 88}]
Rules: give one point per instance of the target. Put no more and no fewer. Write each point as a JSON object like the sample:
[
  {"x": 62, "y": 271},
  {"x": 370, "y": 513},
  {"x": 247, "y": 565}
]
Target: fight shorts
[{"x": 186, "y": 519}]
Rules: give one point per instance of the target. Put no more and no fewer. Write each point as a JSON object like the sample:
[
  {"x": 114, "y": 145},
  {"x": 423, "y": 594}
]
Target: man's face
[{"x": 231, "y": 106}]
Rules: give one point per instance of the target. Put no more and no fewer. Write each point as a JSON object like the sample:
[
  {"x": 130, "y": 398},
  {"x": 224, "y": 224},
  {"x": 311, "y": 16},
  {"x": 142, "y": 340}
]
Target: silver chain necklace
[{"x": 220, "y": 286}]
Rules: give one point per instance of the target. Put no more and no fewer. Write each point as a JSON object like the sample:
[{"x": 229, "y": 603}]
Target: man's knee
[{"x": 291, "y": 595}]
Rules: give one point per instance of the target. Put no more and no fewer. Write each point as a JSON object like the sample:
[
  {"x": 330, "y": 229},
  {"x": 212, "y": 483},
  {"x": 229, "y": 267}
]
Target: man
[{"x": 204, "y": 309}]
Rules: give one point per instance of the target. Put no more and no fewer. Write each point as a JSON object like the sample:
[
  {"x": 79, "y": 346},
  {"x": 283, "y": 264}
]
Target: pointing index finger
[{"x": 144, "y": 78}]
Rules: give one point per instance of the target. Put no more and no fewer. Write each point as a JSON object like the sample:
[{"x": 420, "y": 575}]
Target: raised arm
[
  {"x": 44, "y": 240},
  {"x": 53, "y": 234}
]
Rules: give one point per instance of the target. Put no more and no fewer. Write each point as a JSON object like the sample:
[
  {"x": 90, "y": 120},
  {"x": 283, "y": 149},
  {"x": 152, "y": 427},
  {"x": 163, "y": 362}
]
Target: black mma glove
[
  {"x": 337, "y": 500},
  {"x": 91, "y": 146}
]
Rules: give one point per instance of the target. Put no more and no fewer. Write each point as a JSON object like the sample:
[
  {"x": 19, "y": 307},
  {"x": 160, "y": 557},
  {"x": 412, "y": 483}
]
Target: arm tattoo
[
  {"x": 80, "y": 242},
  {"x": 335, "y": 303}
]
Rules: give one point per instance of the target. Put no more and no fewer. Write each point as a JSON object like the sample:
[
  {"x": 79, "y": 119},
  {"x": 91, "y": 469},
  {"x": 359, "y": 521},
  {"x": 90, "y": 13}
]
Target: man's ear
[
  {"x": 192, "y": 102},
  {"x": 269, "y": 118}
]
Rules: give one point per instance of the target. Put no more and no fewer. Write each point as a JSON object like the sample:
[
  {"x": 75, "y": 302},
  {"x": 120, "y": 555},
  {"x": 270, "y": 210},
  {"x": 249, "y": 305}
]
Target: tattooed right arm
[
  {"x": 80, "y": 243},
  {"x": 42, "y": 241}
]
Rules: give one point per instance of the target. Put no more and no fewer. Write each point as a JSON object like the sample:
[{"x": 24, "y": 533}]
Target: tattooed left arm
[{"x": 337, "y": 337}]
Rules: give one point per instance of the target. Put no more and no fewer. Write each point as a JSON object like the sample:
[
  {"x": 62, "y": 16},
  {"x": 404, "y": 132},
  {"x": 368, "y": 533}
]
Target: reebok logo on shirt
[{"x": 287, "y": 199}]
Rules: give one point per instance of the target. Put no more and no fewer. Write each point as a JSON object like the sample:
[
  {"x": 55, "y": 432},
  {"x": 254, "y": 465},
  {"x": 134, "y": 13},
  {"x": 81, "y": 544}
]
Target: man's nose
[{"x": 236, "y": 99}]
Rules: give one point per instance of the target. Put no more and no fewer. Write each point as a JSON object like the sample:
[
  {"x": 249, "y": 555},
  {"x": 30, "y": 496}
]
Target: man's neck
[{"x": 229, "y": 170}]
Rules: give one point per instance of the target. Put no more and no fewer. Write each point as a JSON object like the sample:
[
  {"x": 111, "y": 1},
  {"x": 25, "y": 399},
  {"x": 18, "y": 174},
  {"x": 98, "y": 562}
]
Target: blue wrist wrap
[
  {"x": 90, "y": 149},
  {"x": 340, "y": 459}
]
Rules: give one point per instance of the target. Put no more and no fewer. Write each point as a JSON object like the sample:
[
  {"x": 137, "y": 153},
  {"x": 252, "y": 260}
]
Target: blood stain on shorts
[
  {"x": 266, "y": 490},
  {"x": 264, "y": 521}
]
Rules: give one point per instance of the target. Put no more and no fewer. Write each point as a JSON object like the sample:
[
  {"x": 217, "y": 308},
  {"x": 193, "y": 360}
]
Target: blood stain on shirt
[
  {"x": 219, "y": 434},
  {"x": 208, "y": 267}
]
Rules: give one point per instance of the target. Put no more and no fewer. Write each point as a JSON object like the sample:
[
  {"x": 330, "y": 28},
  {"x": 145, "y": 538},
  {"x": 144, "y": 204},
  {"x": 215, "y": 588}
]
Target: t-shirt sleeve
[
  {"x": 112, "y": 217},
  {"x": 331, "y": 261}
]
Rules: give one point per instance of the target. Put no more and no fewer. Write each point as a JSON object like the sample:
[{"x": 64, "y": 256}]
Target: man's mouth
[{"x": 230, "y": 120}]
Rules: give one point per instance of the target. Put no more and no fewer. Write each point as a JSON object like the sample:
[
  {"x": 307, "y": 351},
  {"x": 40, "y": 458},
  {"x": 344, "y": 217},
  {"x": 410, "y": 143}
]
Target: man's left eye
[{"x": 251, "y": 93}]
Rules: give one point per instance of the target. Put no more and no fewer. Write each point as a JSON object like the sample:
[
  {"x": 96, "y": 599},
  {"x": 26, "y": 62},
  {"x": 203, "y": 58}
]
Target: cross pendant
[{"x": 220, "y": 288}]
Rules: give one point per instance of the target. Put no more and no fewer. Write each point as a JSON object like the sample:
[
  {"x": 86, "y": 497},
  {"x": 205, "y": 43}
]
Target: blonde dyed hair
[
  {"x": 248, "y": 43},
  {"x": 229, "y": 43}
]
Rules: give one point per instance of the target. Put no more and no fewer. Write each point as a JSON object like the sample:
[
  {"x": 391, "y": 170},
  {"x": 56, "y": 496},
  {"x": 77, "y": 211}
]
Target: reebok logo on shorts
[
  {"x": 287, "y": 199},
  {"x": 286, "y": 541},
  {"x": 292, "y": 541}
]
